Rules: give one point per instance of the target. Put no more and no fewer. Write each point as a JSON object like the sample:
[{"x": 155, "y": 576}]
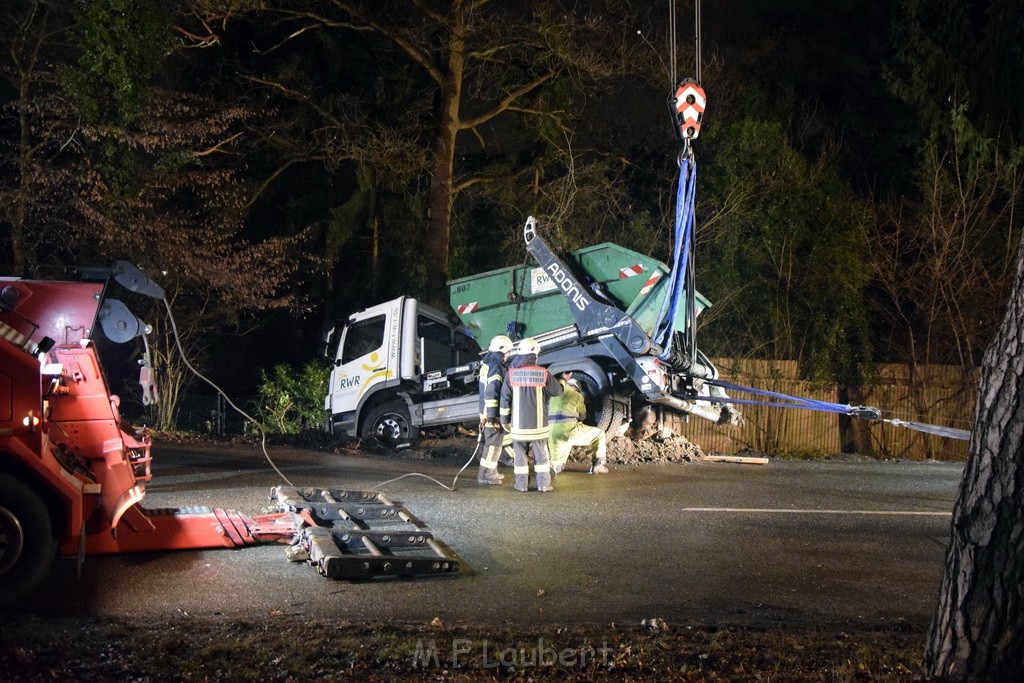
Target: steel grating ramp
[{"x": 364, "y": 535}]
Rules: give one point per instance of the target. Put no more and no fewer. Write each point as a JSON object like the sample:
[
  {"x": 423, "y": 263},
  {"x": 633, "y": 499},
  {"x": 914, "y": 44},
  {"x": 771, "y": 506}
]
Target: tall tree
[
  {"x": 954, "y": 53},
  {"x": 477, "y": 60},
  {"x": 977, "y": 633},
  {"x": 960, "y": 69},
  {"x": 123, "y": 169},
  {"x": 32, "y": 44},
  {"x": 780, "y": 249},
  {"x": 183, "y": 222}
]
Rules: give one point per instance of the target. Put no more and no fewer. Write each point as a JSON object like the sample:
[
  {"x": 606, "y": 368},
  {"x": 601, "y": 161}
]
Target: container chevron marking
[
  {"x": 653, "y": 280},
  {"x": 468, "y": 308},
  {"x": 630, "y": 271}
]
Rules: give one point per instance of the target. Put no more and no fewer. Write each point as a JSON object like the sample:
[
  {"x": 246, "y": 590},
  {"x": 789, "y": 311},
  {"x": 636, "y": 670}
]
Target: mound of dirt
[
  {"x": 317, "y": 440},
  {"x": 625, "y": 451},
  {"x": 621, "y": 450}
]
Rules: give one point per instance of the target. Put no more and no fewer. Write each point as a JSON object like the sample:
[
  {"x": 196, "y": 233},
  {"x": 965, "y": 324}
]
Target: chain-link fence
[{"x": 200, "y": 414}]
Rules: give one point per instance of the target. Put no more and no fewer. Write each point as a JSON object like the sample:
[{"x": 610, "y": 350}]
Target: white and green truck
[{"x": 403, "y": 365}]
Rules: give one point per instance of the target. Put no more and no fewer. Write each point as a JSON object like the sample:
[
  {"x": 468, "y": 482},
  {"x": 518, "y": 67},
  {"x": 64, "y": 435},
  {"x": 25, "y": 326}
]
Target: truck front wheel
[
  {"x": 389, "y": 423},
  {"x": 27, "y": 541}
]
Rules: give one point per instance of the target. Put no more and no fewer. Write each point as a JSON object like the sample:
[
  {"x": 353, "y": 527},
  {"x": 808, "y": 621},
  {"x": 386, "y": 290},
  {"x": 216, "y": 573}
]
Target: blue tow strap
[
  {"x": 864, "y": 412},
  {"x": 936, "y": 430},
  {"x": 665, "y": 325},
  {"x": 790, "y": 401}
]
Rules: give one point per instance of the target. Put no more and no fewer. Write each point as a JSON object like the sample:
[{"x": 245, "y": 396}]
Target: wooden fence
[{"x": 934, "y": 394}]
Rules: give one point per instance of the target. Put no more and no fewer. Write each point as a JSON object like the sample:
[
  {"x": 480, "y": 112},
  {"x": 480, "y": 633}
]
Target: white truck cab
[{"x": 399, "y": 366}]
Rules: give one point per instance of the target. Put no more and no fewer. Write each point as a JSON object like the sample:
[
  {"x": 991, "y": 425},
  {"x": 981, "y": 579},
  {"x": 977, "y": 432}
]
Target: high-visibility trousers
[
  {"x": 541, "y": 468},
  {"x": 495, "y": 440},
  {"x": 563, "y": 439}
]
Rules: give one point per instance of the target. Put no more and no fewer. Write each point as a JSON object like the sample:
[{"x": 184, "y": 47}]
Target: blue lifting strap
[{"x": 670, "y": 305}]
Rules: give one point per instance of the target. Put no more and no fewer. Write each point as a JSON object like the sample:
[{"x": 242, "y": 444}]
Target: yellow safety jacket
[{"x": 566, "y": 411}]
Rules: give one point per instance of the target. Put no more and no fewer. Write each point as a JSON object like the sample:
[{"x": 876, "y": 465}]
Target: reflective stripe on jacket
[
  {"x": 524, "y": 400},
  {"x": 491, "y": 377}
]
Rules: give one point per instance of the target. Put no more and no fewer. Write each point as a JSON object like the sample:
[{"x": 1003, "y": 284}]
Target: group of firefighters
[{"x": 525, "y": 407}]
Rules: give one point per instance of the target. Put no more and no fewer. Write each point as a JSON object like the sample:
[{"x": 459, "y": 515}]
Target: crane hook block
[{"x": 687, "y": 105}]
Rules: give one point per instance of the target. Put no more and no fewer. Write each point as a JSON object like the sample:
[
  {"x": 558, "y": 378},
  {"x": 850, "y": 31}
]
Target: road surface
[{"x": 791, "y": 543}]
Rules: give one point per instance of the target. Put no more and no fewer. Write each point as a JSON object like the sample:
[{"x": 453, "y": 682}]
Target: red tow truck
[{"x": 73, "y": 474}]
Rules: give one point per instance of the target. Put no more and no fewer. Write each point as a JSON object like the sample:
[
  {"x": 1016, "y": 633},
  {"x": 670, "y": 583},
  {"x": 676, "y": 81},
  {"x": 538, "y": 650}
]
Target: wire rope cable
[
  {"x": 671, "y": 44},
  {"x": 184, "y": 358},
  {"x": 697, "y": 40},
  {"x": 429, "y": 478}
]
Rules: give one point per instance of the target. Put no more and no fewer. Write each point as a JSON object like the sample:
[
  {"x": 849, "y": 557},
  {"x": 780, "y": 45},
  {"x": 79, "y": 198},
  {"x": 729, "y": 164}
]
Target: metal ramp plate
[{"x": 364, "y": 535}]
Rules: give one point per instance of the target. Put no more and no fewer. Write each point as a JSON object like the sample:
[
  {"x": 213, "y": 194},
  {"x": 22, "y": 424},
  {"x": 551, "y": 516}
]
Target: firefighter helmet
[
  {"x": 528, "y": 347},
  {"x": 500, "y": 343}
]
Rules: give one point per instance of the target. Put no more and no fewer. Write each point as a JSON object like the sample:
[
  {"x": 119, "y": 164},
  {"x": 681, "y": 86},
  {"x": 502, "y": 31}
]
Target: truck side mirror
[{"x": 330, "y": 337}]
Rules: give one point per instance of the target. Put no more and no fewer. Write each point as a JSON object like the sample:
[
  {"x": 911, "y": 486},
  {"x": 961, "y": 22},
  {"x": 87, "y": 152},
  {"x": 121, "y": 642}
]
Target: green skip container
[{"x": 487, "y": 303}]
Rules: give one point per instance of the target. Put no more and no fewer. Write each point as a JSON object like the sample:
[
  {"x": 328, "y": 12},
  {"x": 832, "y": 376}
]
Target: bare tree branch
[{"x": 506, "y": 102}]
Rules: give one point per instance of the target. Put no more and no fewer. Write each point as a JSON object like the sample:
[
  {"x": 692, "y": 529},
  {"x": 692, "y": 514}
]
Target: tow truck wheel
[
  {"x": 389, "y": 423},
  {"x": 27, "y": 542}
]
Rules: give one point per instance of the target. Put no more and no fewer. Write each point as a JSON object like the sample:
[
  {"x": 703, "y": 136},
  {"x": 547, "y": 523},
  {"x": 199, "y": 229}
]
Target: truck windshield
[
  {"x": 362, "y": 338},
  {"x": 437, "y": 343}
]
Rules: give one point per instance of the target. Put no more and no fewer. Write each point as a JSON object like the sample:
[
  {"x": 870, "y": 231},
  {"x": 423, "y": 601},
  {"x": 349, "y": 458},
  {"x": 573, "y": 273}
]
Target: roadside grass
[{"x": 291, "y": 648}]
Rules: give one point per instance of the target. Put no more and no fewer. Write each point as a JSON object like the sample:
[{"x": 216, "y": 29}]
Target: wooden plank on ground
[{"x": 743, "y": 459}]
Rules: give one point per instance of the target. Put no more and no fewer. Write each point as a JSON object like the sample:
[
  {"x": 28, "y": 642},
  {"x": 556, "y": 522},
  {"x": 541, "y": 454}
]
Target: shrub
[{"x": 292, "y": 399}]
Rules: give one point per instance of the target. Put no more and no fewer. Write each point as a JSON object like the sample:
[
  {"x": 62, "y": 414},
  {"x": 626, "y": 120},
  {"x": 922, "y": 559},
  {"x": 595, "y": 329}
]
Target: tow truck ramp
[{"x": 363, "y": 535}]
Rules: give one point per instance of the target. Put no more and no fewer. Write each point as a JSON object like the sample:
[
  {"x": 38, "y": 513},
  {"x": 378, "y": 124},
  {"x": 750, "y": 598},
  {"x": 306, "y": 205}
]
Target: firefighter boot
[
  {"x": 543, "y": 478},
  {"x": 488, "y": 476},
  {"x": 541, "y": 466}
]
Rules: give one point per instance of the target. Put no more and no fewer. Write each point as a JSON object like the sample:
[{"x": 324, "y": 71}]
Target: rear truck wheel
[
  {"x": 614, "y": 420},
  {"x": 608, "y": 412},
  {"x": 389, "y": 423},
  {"x": 27, "y": 542}
]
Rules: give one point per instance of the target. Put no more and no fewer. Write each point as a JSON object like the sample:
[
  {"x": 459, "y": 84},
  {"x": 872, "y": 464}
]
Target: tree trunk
[
  {"x": 439, "y": 208},
  {"x": 19, "y": 251},
  {"x": 439, "y": 203},
  {"x": 977, "y": 633},
  {"x": 854, "y": 433}
]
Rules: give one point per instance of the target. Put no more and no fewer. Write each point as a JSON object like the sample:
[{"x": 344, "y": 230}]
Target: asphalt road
[{"x": 790, "y": 543}]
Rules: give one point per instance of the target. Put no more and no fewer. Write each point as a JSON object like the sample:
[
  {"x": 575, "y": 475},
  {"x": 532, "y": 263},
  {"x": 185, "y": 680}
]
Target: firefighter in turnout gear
[
  {"x": 566, "y": 413},
  {"x": 495, "y": 439},
  {"x": 524, "y": 411}
]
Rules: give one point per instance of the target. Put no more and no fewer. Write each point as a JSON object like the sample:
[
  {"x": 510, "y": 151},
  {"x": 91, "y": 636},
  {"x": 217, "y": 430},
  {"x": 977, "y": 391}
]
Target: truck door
[{"x": 362, "y": 362}]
